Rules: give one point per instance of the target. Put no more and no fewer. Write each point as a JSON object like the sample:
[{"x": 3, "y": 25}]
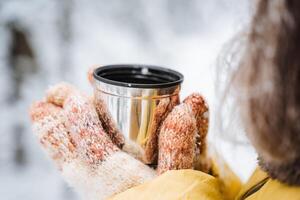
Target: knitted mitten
[
  {"x": 69, "y": 129},
  {"x": 201, "y": 113},
  {"x": 114, "y": 133},
  {"x": 182, "y": 137},
  {"x": 110, "y": 126},
  {"x": 107, "y": 122},
  {"x": 164, "y": 107}
]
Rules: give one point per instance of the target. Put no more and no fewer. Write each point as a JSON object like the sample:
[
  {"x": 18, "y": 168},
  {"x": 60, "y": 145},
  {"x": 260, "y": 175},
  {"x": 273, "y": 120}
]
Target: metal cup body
[{"x": 134, "y": 109}]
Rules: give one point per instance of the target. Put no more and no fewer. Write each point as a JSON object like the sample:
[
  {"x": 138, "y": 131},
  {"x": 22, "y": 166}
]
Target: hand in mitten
[
  {"x": 182, "y": 137},
  {"x": 80, "y": 136},
  {"x": 69, "y": 129}
]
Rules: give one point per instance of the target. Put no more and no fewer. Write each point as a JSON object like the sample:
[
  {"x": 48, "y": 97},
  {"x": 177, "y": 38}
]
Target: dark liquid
[{"x": 138, "y": 75}]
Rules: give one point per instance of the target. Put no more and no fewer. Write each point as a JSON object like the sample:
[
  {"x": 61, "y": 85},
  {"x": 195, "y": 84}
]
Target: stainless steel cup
[{"x": 137, "y": 98}]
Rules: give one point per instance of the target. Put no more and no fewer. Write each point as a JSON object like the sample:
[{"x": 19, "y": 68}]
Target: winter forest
[{"x": 43, "y": 42}]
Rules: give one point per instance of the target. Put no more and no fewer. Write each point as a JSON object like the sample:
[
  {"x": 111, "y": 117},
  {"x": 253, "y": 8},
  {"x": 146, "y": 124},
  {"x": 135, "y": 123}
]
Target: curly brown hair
[
  {"x": 267, "y": 82},
  {"x": 264, "y": 63}
]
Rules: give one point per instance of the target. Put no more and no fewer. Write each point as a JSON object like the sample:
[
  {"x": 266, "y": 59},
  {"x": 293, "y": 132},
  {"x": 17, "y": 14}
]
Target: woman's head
[{"x": 267, "y": 82}]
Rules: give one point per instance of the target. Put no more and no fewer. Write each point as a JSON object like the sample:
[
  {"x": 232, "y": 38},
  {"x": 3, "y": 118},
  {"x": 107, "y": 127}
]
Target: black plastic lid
[{"x": 138, "y": 76}]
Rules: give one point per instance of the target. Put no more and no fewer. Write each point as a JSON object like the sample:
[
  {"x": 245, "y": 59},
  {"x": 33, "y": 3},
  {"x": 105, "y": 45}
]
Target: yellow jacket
[
  {"x": 261, "y": 187},
  {"x": 223, "y": 185}
]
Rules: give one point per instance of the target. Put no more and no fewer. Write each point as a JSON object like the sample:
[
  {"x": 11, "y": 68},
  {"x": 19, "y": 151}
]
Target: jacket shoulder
[
  {"x": 275, "y": 190},
  {"x": 175, "y": 185}
]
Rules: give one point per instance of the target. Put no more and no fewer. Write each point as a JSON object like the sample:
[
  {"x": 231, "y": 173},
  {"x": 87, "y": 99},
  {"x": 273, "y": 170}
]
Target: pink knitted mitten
[{"x": 182, "y": 138}]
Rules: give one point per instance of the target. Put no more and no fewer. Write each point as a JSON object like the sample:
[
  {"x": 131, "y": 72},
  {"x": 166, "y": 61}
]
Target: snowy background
[{"x": 43, "y": 42}]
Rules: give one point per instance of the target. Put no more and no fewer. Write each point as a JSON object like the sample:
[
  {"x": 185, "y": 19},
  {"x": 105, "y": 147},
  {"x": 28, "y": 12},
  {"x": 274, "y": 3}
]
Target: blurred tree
[
  {"x": 21, "y": 64},
  {"x": 21, "y": 61},
  {"x": 18, "y": 138}
]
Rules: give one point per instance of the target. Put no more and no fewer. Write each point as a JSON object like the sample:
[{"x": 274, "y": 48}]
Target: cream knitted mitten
[{"x": 69, "y": 129}]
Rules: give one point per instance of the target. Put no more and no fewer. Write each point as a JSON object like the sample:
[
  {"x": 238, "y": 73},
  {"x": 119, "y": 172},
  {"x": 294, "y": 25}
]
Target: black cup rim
[{"x": 175, "y": 78}]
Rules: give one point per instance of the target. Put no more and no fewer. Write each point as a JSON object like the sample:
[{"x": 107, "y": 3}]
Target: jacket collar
[
  {"x": 288, "y": 173},
  {"x": 255, "y": 182}
]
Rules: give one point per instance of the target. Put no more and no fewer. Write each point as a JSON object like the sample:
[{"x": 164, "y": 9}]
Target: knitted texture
[
  {"x": 69, "y": 129},
  {"x": 201, "y": 113},
  {"x": 78, "y": 133},
  {"x": 162, "y": 110},
  {"x": 108, "y": 124},
  {"x": 177, "y": 139},
  {"x": 182, "y": 138}
]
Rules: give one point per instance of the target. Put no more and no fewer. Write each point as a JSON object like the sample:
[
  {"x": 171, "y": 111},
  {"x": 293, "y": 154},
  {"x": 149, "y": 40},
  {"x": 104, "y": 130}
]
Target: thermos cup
[{"x": 138, "y": 97}]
